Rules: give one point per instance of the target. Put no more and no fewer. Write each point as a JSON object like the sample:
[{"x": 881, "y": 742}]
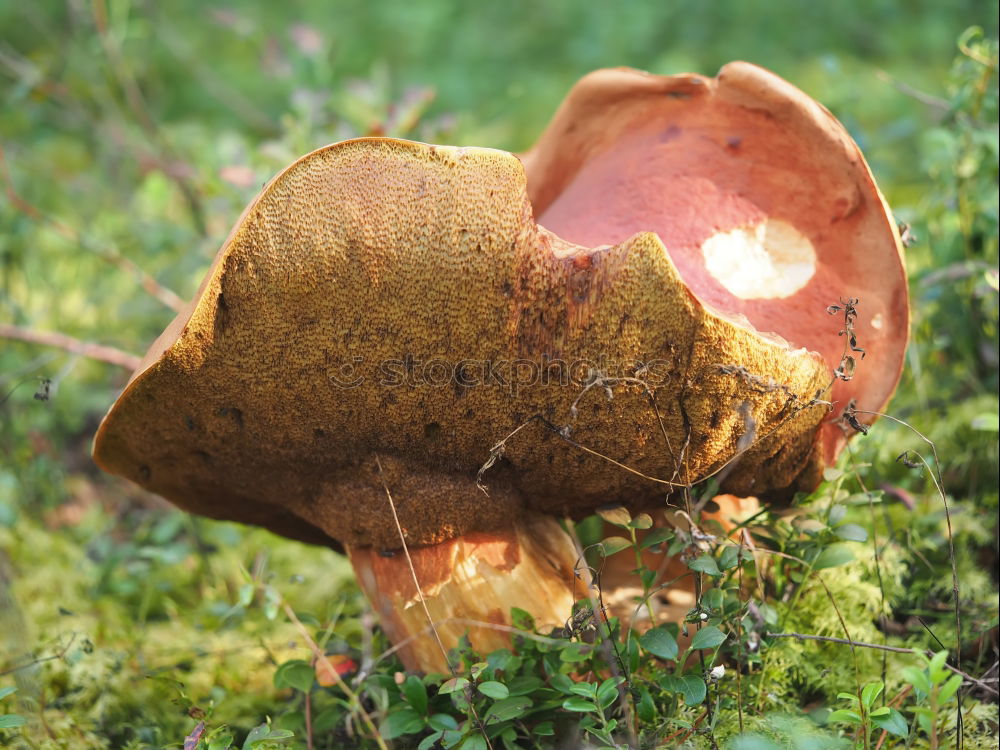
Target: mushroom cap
[
  {"x": 736, "y": 174},
  {"x": 395, "y": 299}
]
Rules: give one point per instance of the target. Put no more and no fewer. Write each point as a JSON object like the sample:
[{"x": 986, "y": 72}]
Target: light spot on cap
[{"x": 770, "y": 260}]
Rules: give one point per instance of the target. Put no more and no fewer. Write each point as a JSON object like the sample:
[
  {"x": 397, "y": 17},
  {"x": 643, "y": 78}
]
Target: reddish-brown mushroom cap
[{"x": 386, "y": 312}]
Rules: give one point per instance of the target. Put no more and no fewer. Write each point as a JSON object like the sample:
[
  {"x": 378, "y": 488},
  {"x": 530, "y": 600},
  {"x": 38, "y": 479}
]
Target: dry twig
[{"x": 100, "y": 352}]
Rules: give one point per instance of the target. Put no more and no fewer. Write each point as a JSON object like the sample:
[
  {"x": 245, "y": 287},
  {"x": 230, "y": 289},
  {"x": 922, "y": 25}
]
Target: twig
[
  {"x": 880, "y": 647},
  {"x": 137, "y": 104},
  {"x": 109, "y": 255},
  {"x": 938, "y": 480},
  {"x": 420, "y": 595},
  {"x": 875, "y": 552},
  {"x": 309, "y": 729},
  {"x": 498, "y": 450},
  {"x": 319, "y": 655},
  {"x": 612, "y": 659},
  {"x": 413, "y": 571},
  {"x": 100, "y": 352},
  {"x": 930, "y": 100},
  {"x": 41, "y": 659}
]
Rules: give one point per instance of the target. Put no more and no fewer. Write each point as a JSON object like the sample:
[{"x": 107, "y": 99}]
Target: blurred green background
[{"x": 133, "y": 133}]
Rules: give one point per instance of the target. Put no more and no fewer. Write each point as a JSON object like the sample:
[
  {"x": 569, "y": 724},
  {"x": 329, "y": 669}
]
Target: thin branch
[
  {"x": 880, "y": 647},
  {"x": 612, "y": 657},
  {"x": 100, "y": 352},
  {"x": 61, "y": 653},
  {"x": 413, "y": 571},
  {"x": 420, "y": 594},
  {"x": 137, "y": 105},
  {"x": 319, "y": 656},
  {"x": 109, "y": 255},
  {"x": 935, "y": 475},
  {"x": 930, "y": 100}
]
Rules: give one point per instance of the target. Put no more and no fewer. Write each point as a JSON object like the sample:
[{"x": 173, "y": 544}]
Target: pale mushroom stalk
[
  {"x": 385, "y": 311},
  {"x": 469, "y": 584}
]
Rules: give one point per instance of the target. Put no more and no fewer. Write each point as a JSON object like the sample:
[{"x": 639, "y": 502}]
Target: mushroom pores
[{"x": 389, "y": 317}]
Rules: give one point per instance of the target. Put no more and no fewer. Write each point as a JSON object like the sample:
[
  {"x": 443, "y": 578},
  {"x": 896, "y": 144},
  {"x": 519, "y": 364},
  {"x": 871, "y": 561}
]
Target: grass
[{"x": 132, "y": 136}]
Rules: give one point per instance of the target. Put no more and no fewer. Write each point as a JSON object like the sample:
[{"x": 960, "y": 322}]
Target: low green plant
[
  {"x": 10, "y": 721},
  {"x": 934, "y": 688},
  {"x": 867, "y": 715}
]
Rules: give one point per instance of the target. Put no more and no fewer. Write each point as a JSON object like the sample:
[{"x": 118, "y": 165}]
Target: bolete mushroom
[{"x": 387, "y": 319}]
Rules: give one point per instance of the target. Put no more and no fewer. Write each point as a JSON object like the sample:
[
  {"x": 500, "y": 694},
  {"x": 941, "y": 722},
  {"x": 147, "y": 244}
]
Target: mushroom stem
[{"x": 476, "y": 577}]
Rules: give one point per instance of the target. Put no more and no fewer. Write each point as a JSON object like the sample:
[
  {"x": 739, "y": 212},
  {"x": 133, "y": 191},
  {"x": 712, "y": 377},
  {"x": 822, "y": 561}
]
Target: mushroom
[{"x": 391, "y": 357}]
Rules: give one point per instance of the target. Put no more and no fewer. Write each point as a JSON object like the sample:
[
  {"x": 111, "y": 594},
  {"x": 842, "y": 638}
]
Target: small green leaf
[
  {"x": 870, "y": 694},
  {"x": 729, "y": 557},
  {"x": 264, "y": 733},
  {"x": 705, "y": 564},
  {"x": 647, "y": 577},
  {"x": 575, "y": 652},
  {"x": 430, "y": 741},
  {"x": 508, "y": 708},
  {"x": 936, "y": 668},
  {"x": 645, "y": 708},
  {"x": 848, "y": 697},
  {"x": 544, "y": 729},
  {"x": 272, "y": 602},
  {"x": 833, "y": 556},
  {"x": 692, "y": 688},
  {"x": 612, "y": 545},
  {"x": 442, "y": 722},
  {"x": 837, "y": 514},
  {"x": 521, "y": 620},
  {"x": 562, "y": 683},
  {"x": 641, "y": 522},
  {"x": 586, "y": 689},
  {"x": 617, "y": 516},
  {"x": 524, "y": 685},
  {"x": 656, "y": 536},
  {"x": 659, "y": 642},
  {"x": 4, "y": 692},
  {"x": 607, "y": 693},
  {"x": 493, "y": 689},
  {"x": 918, "y": 678},
  {"x": 222, "y": 741},
  {"x": 415, "y": 692},
  {"x": 844, "y": 715},
  {"x": 474, "y": 742},
  {"x": 852, "y": 532},
  {"x": 950, "y": 688},
  {"x": 713, "y": 599},
  {"x": 893, "y": 722},
  {"x": 398, "y": 723},
  {"x": 453, "y": 685},
  {"x": 708, "y": 637},
  {"x": 9, "y": 721},
  {"x": 578, "y": 704},
  {"x": 295, "y": 673},
  {"x": 245, "y": 596}
]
